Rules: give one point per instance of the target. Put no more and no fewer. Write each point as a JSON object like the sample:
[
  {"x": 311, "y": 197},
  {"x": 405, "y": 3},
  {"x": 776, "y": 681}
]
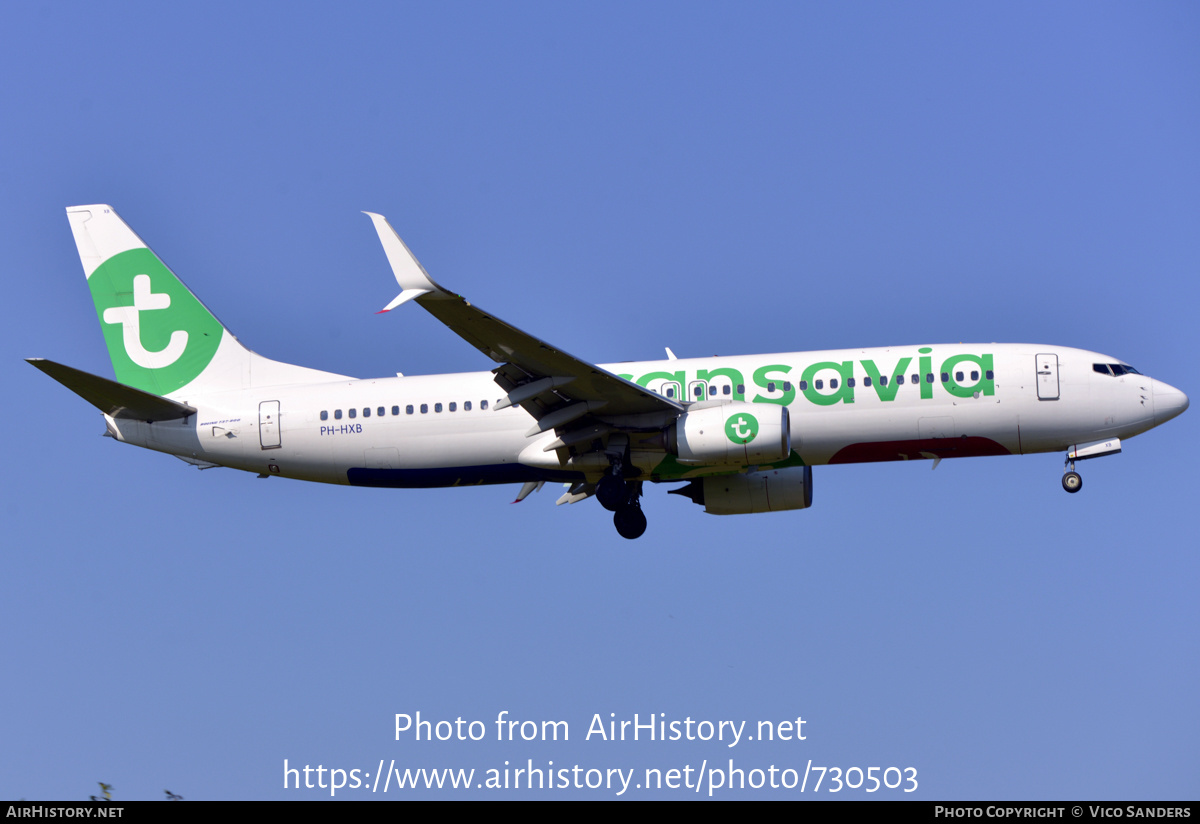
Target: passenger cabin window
[
  {"x": 833, "y": 383},
  {"x": 946, "y": 377},
  {"x": 424, "y": 408},
  {"x": 787, "y": 387},
  {"x": 353, "y": 413},
  {"x": 396, "y": 410},
  {"x": 989, "y": 374},
  {"x": 437, "y": 407},
  {"x": 883, "y": 380},
  {"x": 850, "y": 382},
  {"x": 337, "y": 414},
  {"x": 324, "y": 414},
  {"x": 867, "y": 380},
  {"x": 819, "y": 384},
  {"x": 899, "y": 380},
  {"x": 670, "y": 391},
  {"x": 408, "y": 410},
  {"x": 741, "y": 389},
  {"x": 803, "y": 386},
  {"x": 975, "y": 375},
  {"x": 367, "y": 412},
  {"x": 770, "y": 386},
  {"x": 467, "y": 406},
  {"x": 958, "y": 376},
  {"x": 381, "y": 412},
  {"x": 483, "y": 404},
  {"x": 726, "y": 389},
  {"x": 453, "y": 407}
]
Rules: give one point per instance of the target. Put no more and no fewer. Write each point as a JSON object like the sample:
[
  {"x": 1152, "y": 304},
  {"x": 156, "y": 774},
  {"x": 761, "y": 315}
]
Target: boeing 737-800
[{"x": 742, "y": 433}]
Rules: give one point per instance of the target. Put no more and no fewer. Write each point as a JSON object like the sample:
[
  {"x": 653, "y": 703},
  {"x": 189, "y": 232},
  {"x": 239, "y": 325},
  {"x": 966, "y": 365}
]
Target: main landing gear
[
  {"x": 624, "y": 501},
  {"x": 629, "y": 519},
  {"x": 611, "y": 490},
  {"x": 1072, "y": 480}
]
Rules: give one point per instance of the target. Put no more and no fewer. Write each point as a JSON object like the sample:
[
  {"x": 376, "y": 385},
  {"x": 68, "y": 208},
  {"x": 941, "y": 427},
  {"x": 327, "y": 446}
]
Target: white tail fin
[{"x": 160, "y": 337}]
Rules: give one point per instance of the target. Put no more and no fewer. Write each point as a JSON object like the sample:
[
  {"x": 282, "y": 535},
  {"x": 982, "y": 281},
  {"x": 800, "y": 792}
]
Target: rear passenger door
[{"x": 268, "y": 425}]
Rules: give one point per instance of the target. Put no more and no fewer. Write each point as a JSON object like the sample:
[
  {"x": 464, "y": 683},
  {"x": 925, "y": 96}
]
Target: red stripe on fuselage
[{"x": 918, "y": 449}]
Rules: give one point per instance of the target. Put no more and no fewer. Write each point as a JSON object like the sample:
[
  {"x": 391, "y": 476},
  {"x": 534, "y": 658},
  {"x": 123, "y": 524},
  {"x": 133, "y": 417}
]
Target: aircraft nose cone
[{"x": 1168, "y": 402}]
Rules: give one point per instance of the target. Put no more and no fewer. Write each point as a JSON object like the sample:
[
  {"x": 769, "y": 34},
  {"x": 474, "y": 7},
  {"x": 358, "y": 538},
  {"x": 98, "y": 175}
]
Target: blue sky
[{"x": 719, "y": 179}]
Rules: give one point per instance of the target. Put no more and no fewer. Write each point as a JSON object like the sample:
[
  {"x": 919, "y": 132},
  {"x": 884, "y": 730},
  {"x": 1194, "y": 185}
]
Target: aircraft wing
[{"x": 559, "y": 390}]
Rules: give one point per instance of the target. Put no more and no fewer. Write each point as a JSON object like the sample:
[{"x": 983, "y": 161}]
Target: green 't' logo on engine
[
  {"x": 159, "y": 336},
  {"x": 741, "y": 428}
]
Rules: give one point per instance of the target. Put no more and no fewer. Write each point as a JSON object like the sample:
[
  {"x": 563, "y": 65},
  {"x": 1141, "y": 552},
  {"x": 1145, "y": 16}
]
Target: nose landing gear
[
  {"x": 1084, "y": 451},
  {"x": 1072, "y": 480}
]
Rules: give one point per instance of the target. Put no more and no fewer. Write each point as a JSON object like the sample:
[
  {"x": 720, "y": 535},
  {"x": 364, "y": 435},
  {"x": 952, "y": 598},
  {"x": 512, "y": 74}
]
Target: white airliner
[{"x": 742, "y": 432}]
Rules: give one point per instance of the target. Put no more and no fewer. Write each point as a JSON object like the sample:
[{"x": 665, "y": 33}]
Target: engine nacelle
[
  {"x": 771, "y": 490},
  {"x": 735, "y": 433}
]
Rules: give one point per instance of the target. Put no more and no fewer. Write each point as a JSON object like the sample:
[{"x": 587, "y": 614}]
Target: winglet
[{"x": 410, "y": 274}]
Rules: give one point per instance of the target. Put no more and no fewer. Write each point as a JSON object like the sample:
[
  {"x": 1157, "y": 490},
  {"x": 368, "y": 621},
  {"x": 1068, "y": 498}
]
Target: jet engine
[
  {"x": 771, "y": 490},
  {"x": 735, "y": 433}
]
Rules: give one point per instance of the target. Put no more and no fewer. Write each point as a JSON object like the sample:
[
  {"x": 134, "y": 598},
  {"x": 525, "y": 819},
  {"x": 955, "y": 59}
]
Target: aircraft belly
[
  {"x": 458, "y": 459},
  {"x": 427, "y": 477}
]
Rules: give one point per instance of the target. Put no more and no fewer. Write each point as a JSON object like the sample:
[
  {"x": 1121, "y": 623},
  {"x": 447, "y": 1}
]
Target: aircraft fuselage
[{"x": 846, "y": 406}]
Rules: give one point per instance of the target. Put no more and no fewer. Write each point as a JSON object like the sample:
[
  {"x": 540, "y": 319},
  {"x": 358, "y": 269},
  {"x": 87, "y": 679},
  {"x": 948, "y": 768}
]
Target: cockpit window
[{"x": 1117, "y": 369}]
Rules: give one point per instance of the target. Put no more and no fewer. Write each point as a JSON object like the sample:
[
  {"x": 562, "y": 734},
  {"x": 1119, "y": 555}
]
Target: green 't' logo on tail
[{"x": 159, "y": 336}]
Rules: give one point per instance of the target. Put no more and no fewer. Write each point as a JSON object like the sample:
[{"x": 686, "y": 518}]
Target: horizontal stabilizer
[{"x": 112, "y": 398}]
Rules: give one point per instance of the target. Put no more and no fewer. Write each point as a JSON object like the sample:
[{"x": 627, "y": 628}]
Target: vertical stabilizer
[{"x": 160, "y": 337}]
